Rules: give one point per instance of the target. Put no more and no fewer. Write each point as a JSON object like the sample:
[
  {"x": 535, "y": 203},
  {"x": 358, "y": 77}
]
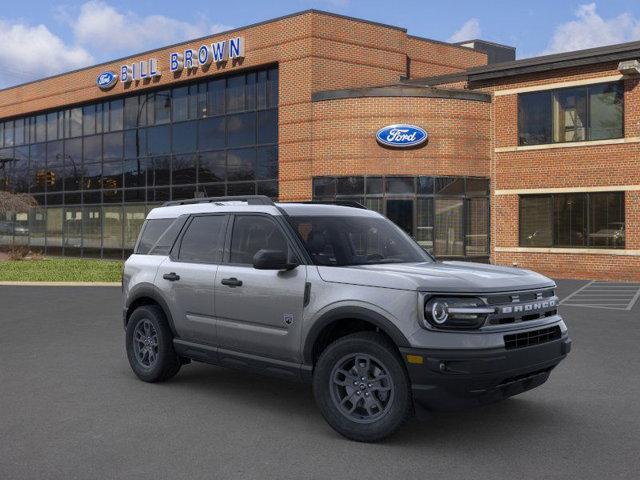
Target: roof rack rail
[
  {"x": 250, "y": 199},
  {"x": 342, "y": 203}
]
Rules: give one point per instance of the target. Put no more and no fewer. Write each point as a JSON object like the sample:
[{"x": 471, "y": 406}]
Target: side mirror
[{"x": 272, "y": 260}]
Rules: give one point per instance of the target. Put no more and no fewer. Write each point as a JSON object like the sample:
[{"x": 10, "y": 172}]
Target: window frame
[
  {"x": 552, "y": 93},
  {"x": 588, "y": 196}
]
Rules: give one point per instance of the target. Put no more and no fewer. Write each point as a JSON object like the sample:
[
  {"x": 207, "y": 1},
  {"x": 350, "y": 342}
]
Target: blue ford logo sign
[
  {"x": 106, "y": 80},
  {"x": 401, "y": 136}
]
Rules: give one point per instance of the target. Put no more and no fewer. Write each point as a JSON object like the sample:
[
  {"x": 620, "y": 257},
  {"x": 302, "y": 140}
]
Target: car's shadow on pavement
[{"x": 291, "y": 401}]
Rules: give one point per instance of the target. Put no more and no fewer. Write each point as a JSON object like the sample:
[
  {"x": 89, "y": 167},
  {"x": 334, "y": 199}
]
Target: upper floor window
[{"x": 592, "y": 112}]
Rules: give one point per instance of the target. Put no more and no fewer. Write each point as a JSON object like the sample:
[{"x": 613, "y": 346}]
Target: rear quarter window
[{"x": 151, "y": 233}]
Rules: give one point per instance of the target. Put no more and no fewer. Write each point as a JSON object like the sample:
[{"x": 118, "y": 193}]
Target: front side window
[
  {"x": 578, "y": 220},
  {"x": 353, "y": 240},
  {"x": 203, "y": 240},
  {"x": 252, "y": 233},
  {"x": 593, "y": 112}
]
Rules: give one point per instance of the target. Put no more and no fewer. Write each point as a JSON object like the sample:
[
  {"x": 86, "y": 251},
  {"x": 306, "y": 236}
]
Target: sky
[{"x": 39, "y": 38}]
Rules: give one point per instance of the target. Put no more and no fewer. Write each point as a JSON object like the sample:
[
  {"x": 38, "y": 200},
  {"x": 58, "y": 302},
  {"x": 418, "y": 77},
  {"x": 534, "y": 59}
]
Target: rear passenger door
[
  {"x": 259, "y": 311},
  {"x": 187, "y": 277}
]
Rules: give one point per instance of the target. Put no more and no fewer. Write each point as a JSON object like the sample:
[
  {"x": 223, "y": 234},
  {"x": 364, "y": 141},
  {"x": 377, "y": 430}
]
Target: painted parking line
[{"x": 612, "y": 296}]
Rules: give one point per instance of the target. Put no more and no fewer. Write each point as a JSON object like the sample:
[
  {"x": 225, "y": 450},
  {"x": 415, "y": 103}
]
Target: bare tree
[{"x": 16, "y": 202}]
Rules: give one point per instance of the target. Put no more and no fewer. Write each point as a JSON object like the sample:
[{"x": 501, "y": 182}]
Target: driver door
[{"x": 258, "y": 311}]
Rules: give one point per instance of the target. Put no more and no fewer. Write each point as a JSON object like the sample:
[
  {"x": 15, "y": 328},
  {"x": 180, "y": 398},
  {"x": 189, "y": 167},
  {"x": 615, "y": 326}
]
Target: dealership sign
[
  {"x": 401, "y": 136},
  {"x": 106, "y": 80},
  {"x": 189, "y": 59}
]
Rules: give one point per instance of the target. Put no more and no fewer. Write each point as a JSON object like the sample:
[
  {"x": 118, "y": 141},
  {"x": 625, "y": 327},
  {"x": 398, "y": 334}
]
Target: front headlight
[{"x": 456, "y": 312}]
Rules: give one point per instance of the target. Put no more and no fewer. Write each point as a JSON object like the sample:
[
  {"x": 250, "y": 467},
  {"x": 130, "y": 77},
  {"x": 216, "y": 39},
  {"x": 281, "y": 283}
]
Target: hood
[{"x": 445, "y": 277}]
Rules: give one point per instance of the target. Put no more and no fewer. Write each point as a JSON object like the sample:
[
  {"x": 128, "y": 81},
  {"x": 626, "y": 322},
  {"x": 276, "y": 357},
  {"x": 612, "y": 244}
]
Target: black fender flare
[
  {"x": 351, "y": 312},
  {"x": 148, "y": 290}
]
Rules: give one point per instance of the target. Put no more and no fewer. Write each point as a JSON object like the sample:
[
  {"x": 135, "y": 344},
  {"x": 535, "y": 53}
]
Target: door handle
[
  {"x": 231, "y": 282},
  {"x": 172, "y": 277}
]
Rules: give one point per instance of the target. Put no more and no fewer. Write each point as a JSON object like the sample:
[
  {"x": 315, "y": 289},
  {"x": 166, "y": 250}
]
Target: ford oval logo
[
  {"x": 401, "y": 136},
  {"x": 106, "y": 80}
]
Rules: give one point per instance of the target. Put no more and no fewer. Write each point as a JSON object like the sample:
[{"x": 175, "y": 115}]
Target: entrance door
[{"x": 400, "y": 212}]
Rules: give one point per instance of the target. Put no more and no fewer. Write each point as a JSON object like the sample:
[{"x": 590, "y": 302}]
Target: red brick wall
[
  {"x": 344, "y": 137},
  {"x": 564, "y": 167},
  {"x": 429, "y": 58}
]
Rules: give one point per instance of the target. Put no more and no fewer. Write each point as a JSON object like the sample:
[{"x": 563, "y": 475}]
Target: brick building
[{"x": 528, "y": 162}]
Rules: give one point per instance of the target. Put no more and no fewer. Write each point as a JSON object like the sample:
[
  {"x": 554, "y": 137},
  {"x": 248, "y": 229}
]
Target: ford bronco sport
[{"x": 338, "y": 296}]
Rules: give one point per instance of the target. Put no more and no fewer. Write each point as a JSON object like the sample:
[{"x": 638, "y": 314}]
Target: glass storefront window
[
  {"x": 477, "y": 232},
  {"x": 72, "y": 230},
  {"x": 112, "y": 231},
  {"x": 448, "y": 216},
  {"x": 424, "y": 223},
  {"x": 449, "y": 227},
  {"x": 91, "y": 231},
  {"x": 213, "y": 137}
]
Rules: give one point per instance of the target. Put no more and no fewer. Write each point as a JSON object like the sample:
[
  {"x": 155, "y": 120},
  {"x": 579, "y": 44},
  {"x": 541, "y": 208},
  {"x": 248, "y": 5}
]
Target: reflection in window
[
  {"x": 235, "y": 93},
  {"x": 159, "y": 140},
  {"x": 449, "y": 235},
  {"x": 134, "y": 216},
  {"x": 184, "y": 170},
  {"x": 212, "y": 167},
  {"x": 593, "y": 112},
  {"x": 592, "y": 220},
  {"x": 112, "y": 235},
  {"x": 241, "y": 129},
  {"x": 211, "y": 133},
  {"x": 570, "y": 218},
  {"x": 477, "y": 226},
  {"x": 184, "y": 137},
  {"x": 91, "y": 231},
  {"x": 72, "y": 159},
  {"x": 424, "y": 226},
  {"x": 241, "y": 164},
  {"x": 72, "y": 232}
]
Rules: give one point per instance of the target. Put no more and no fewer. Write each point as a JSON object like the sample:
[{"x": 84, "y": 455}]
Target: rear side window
[
  {"x": 203, "y": 240},
  {"x": 151, "y": 233}
]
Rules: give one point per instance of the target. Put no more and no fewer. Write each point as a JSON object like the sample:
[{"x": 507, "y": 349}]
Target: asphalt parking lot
[{"x": 70, "y": 408}]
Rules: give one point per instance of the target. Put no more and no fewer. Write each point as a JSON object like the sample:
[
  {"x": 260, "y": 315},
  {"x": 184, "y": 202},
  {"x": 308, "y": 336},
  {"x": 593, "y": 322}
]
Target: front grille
[
  {"x": 533, "y": 337},
  {"x": 522, "y": 306},
  {"x": 504, "y": 298}
]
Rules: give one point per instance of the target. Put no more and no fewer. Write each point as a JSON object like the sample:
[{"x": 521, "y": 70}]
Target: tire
[
  {"x": 384, "y": 403},
  {"x": 152, "y": 357}
]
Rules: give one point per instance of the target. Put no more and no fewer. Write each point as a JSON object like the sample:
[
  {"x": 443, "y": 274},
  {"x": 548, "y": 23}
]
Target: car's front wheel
[
  {"x": 362, "y": 387},
  {"x": 150, "y": 345}
]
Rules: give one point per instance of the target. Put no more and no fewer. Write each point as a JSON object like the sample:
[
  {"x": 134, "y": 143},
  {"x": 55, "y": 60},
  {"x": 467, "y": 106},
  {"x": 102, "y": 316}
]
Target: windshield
[{"x": 354, "y": 240}]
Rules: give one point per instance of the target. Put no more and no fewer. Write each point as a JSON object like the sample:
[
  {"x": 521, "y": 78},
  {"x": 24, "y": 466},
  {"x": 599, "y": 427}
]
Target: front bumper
[{"x": 449, "y": 379}]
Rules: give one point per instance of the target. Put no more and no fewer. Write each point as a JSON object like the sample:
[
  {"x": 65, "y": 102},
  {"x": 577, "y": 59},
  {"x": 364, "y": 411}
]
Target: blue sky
[{"x": 43, "y": 37}]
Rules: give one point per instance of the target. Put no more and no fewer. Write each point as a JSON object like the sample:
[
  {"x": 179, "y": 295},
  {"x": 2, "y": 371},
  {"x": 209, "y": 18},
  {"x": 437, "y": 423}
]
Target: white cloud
[
  {"x": 469, "y": 31},
  {"x": 591, "y": 30},
  {"x": 28, "y": 52},
  {"x": 98, "y": 33},
  {"x": 104, "y": 29}
]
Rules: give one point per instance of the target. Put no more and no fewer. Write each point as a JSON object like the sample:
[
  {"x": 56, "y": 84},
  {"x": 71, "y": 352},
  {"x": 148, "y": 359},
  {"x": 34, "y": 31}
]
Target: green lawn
[{"x": 61, "y": 270}]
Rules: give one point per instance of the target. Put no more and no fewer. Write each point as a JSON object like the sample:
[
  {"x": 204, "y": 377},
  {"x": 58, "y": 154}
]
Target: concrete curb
[{"x": 60, "y": 284}]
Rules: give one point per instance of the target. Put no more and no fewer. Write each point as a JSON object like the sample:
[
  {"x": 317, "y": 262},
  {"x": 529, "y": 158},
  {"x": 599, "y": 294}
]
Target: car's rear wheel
[
  {"x": 362, "y": 387},
  {"x": 150, "y": 345}
]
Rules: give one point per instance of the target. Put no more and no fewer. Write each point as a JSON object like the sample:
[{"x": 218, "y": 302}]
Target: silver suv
[{"x": 338, "y": 296}]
